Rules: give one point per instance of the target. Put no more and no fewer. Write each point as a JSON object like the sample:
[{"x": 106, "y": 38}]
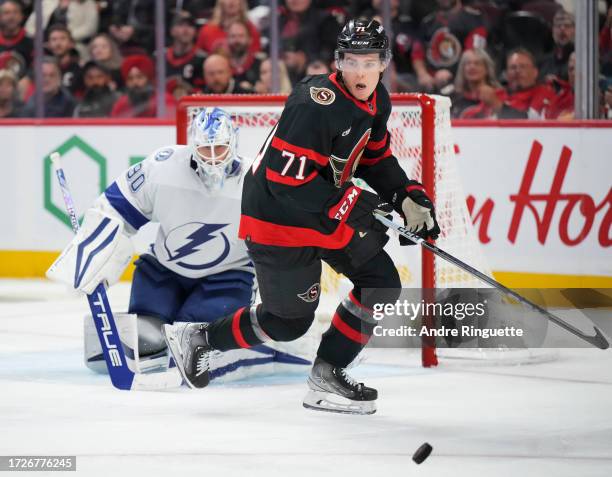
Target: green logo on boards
[{"x": 50, "y": 179}]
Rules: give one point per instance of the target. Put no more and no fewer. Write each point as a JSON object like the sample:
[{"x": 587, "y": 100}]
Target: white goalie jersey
[{"x": 198, "y": 230}]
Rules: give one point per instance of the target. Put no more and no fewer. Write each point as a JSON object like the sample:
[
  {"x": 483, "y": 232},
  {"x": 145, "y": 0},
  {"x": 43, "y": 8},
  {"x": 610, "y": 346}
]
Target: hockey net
[{"x": 421, "y": 139}]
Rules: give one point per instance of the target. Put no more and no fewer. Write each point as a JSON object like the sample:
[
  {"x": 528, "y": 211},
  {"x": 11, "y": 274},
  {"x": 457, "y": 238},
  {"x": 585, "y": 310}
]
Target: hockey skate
[
  {"x": 188, "y": 344},
  {"x": 332, "y": 390}
]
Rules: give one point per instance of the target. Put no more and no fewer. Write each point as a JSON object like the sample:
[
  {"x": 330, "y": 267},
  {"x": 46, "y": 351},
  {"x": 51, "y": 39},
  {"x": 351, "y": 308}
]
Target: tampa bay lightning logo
[
  {"x": 163, "y": 154},
  {"x": 192, "y": 245}
]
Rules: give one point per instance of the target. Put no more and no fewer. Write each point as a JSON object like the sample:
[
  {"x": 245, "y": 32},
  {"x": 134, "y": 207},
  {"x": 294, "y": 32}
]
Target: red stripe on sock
[
  {"x": 349, "y": 332},
  {"x": 236, "y": 330},
  {"x": 354, "y": 300}
]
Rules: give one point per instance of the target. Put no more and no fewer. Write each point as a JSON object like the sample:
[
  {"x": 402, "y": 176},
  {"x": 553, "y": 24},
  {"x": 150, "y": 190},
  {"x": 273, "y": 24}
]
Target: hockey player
[
  {"x": 197, "y": 270},
  {"x": 299, "y": 207}
]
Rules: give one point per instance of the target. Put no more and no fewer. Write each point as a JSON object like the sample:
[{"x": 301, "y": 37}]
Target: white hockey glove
[
  {"x": 418, "y": 212},
  {"x": 99, "y": 252}
]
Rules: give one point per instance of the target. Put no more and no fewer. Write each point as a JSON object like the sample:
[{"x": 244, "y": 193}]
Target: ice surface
[{"x": 537, "y": 420}]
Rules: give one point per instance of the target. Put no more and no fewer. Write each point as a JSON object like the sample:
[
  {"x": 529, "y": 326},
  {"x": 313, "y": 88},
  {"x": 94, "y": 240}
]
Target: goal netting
[{"x": 421, "y": 139}]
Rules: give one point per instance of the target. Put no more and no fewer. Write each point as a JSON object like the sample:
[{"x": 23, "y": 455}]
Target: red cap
[{"x": 142, "y": 62}]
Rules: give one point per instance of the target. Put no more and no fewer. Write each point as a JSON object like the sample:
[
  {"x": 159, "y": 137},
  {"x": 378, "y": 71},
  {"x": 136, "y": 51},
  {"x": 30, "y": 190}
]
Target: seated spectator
[
  {"x": 133, "y": 26},
  {"x": 104, "y": 50},
  {"x": 444, "y": 35},
  {"x": 183, "y": 58},
  {"x": 562, "y": 105},
  {"x": 295, "y": 59},
  {"x": 61, "y": 45},
  {"x": 526, "y": 97},
  {"x": 264, "y": 84},
  {"x": 10, "y": 105},
  {"x": 218, "y": 77},
  {"x": 139, "y": 100},
  {"x": 99, "y": 98},
  {"x": 477, "y": 93},
  {"x": 245, "y": 64},
  {"x": 79, "y": 16},
  {"x": 213, "y": 36},
  {"x": 58, "y": 102},
  {"x": 315, "y": 29},
  {"x": 12, "y": 35},
  {"x": 13, "y": 61},
  {"x": 563, "y": 32},
  {"x": 317, "y": 67}
]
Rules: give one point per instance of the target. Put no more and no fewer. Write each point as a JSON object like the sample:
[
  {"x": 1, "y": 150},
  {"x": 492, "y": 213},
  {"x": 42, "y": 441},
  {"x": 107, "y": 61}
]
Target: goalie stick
[
  {"x": 598, "y": 340},
  {"x": 120, "y": 374}
]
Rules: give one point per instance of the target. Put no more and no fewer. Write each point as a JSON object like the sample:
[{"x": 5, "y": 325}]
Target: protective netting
[{"x": 457, "y": 236}]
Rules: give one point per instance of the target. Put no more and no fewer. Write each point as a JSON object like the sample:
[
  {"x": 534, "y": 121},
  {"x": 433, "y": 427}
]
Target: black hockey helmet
[{"x": 363, "y": 36}]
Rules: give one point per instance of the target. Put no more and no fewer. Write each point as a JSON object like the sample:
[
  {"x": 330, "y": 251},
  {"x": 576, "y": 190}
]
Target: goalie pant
[{"x": 290, "y": 291}]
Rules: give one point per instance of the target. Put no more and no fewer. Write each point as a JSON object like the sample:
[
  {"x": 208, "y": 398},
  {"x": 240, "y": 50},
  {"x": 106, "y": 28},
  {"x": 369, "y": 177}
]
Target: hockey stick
[
  {"x": 120, "y": 374},
  {"x": 598, "y": 340}
]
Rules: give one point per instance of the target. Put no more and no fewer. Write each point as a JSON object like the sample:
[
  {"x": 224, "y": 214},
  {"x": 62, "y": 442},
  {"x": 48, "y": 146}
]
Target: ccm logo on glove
[{"x": 344, "y": 206}]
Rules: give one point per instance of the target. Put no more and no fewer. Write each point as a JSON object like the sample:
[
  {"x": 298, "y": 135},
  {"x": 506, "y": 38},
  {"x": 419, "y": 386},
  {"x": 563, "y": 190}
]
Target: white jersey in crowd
[{"x": 198, "y": 230}]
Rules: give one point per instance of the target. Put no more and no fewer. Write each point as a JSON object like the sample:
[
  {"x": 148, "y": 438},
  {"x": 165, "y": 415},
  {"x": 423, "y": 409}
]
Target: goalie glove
[
  {"x": 418, "y": 212},
  {"x": 357, "y": 207},
  {"x": 98, "y": 253}
]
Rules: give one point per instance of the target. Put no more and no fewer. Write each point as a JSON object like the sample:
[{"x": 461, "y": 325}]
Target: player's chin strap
[
  {"x": 598, "y": 339},
  {"x": 121, "y": 375}
]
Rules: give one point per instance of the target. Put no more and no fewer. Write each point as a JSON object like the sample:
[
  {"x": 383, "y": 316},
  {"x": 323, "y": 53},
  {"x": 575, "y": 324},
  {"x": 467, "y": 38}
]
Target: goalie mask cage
[{"x": 421, "y": 140}]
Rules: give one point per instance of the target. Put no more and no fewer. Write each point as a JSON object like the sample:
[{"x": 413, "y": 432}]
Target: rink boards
[{"x": 540, "y": 193}]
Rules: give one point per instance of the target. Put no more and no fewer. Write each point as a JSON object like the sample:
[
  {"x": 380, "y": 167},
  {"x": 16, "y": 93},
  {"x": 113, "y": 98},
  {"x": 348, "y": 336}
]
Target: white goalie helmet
[{"x": 212, "y": 138}]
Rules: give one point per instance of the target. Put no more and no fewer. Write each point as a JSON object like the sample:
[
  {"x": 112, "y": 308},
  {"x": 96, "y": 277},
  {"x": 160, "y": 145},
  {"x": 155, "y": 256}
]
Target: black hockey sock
[
  {"x": 238, "y": 330},
  {"x": 350, "y": 330}
]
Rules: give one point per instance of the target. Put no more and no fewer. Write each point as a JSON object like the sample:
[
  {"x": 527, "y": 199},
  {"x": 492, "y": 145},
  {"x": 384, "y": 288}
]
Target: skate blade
[
  {"x": 175, "y": 350},
  {"x": 328, "y": 402}
]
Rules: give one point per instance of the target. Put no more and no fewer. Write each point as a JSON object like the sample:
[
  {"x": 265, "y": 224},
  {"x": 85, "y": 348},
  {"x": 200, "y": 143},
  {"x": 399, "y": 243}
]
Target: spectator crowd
[{"x": 494, "y": 58}]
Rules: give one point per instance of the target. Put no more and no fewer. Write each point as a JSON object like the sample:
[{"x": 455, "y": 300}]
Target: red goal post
[{"x": 421, "y": 139}]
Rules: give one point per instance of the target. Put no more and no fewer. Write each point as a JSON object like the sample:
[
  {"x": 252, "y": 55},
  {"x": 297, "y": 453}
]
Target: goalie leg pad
[{"x": 141, "y": 338}]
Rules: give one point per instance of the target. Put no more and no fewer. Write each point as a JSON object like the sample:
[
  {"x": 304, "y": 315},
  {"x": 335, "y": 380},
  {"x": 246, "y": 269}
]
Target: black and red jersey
[
  {"x": 187, "y": 66},
  {"x": 445, "y": 35},
  {"x": 303, "y": 172},
  {"x": 20, "y": 43}
]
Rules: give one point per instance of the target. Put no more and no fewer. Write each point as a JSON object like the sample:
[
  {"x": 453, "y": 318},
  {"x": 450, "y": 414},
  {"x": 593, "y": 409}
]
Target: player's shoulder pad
[
  {"x": 163, "y": 153},
  {"x": 317, "y": 90},
  {"x": 163, "y": 158},
  {"x": 168, "y": 154}
]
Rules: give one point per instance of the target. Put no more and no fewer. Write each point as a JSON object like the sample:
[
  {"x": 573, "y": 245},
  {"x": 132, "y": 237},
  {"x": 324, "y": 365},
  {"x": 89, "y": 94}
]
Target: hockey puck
[{"x": 422, "y": 453}]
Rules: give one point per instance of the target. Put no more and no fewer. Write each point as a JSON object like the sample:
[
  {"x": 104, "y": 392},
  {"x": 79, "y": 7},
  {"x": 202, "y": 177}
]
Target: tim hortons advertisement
[{"x": 540, "y": 197}]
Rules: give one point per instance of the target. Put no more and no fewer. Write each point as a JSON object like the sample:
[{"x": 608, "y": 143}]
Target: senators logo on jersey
[
  {"x": 344, "y": 169},
  {"x": 322, "y": 96}
]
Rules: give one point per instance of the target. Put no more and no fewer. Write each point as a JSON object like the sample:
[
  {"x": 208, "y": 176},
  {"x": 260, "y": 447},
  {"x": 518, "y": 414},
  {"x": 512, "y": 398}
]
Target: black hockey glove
[
  {"x": 418, "y": 212},
  {"x": 356, "y": 208}
]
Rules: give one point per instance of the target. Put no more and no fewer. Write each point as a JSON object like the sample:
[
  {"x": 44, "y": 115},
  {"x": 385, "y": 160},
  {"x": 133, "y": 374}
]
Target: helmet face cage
[{"x": 212, "y": 138}]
